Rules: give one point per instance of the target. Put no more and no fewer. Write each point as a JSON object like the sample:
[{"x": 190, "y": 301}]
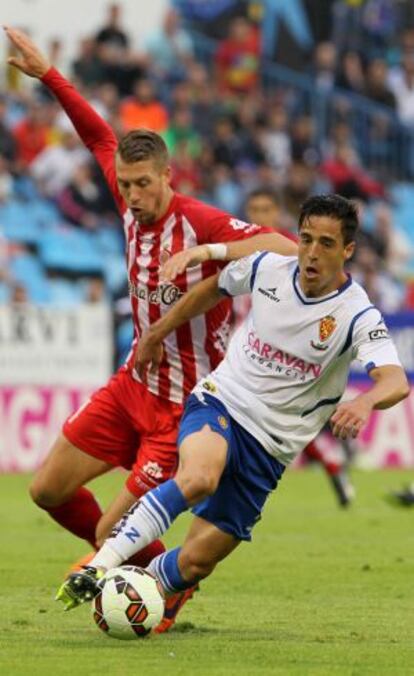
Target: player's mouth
[
  {"x": 138, "y": 213},
  {"x": 311, "y": 272}
]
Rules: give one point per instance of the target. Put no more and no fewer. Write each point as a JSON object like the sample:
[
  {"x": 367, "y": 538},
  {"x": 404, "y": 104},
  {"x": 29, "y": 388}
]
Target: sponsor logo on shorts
[
  {"x": 153, "y": 470},
  {"x": 378, "y": 334},
  {"x": 223, "y": 422}
]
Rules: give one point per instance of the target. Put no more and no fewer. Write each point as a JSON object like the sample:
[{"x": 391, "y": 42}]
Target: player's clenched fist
[{"x": 30, "y": 61}]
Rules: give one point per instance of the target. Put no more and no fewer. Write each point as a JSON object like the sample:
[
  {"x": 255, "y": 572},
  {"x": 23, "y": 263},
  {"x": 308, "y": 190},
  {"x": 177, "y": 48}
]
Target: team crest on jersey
[
  {"x": 327, "y": 326},
  {"x": 223, "y": 422}
]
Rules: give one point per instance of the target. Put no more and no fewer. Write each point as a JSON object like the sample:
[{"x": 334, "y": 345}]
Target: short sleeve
[
  {"x": 237, "y": 278},
  {"x": 371, "y": 343}
]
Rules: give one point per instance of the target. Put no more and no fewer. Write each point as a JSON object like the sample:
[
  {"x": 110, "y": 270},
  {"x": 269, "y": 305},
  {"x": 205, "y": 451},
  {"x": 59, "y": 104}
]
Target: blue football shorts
[{"x": 250, "y": 474}]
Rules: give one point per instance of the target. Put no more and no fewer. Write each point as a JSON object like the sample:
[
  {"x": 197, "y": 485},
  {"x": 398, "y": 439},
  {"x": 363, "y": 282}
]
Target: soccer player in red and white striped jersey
[{"x": 128, "y": 422}]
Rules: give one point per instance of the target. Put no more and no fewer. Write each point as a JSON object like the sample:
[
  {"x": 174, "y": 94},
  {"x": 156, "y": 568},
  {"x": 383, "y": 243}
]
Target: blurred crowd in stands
[{"x": 230, "y": 132}]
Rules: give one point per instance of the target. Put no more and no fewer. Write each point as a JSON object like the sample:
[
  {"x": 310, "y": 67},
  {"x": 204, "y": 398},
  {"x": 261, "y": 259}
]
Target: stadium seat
[
  {"x": 17, "y": 223},
  {"x": 70, "y": 251},
  {"x": 4, "y": 293},
  {"x": 27, "y": 270}
]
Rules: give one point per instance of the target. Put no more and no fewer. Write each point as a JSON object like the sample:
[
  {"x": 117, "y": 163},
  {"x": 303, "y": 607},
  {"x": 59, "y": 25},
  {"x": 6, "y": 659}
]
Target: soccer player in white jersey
[{"x": 281, "y": 380}]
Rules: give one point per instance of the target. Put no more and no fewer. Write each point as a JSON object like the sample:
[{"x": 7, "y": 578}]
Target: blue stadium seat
[
  {"x": 4, "y": 293},
  {"x": 115, "y": 272},
  {"x": 27, "y": 270},
  {"x": 69, "y": 250},
  {"x": 17, "y": 223},
  {"x": 110, "y": 240}
]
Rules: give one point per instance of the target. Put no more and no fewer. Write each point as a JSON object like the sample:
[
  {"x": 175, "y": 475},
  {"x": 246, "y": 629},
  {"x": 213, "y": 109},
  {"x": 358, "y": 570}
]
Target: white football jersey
[{"x": 287, "y": 365}]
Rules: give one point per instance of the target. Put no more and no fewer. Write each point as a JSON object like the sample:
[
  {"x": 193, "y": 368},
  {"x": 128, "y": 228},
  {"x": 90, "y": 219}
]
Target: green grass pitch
[{"x": 319, "y": 591}]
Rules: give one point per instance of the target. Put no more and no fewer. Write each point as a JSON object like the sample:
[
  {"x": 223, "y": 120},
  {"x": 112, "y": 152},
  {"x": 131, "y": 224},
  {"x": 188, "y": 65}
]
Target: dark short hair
[
  {"x": 142, "y": 144},
  {"x": 264, "y": 192},
  {"x": 334, "y": 206}
]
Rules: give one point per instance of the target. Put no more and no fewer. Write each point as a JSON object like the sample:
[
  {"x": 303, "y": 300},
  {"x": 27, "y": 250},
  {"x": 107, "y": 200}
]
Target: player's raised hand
[
  {"x": 30, "y": 60},
  {"x": 350, "y": 417},
  {"x": 175, "y": 265},
  {"x": 148, "y": 354}
]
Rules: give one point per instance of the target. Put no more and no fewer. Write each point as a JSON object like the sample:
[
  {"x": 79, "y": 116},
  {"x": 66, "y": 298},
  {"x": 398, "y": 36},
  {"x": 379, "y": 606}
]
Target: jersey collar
[{"x": 321, "y": 299}]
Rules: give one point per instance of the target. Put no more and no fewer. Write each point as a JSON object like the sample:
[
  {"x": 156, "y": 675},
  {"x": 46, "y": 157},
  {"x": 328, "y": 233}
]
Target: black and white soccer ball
[{"x": 129, "y": 603}]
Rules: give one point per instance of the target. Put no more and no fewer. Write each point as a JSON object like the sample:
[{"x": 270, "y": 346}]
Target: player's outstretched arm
[
  {"x": 201, "y": 298},
  {"x": 229, "y": 251},
  {"x": 95, "y": 133},
  {"x": 390, "y": 387}
]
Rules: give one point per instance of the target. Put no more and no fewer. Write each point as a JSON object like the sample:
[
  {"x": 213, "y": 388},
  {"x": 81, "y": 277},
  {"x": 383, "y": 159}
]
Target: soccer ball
[{"x": 129, "y": 603}]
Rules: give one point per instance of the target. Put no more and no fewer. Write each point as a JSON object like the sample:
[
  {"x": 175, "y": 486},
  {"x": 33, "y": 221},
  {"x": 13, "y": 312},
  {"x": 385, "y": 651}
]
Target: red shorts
[{"x": 125, "y": 425}]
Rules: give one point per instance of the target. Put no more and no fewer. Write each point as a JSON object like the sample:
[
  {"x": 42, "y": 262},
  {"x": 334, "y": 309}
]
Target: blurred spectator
[
  {"x": 112, "y": 33},
  {"x": 263, "y": 207},
  {"x": 185, "y": 173},
  {"x": 237, "y": 58},
  {"x": 120, "y": 67},
  {"x": 298, "y": 186},
  {"x": 304, "y": 147},
  {"x": 54, "y": 167},
  {"x": 351, "y": 73},
  {"x": 324, "y": 66},
  {"x": 389, "y": 243},
  {"x": 227, "y": 147},
  {"x": 143, "y": 109},
  {"x": 384, "y": 292},
  {"x": 170, "y": 49},
  {"x": 81, "y": 201},
  {"x": 7, "y": 140},
  {"x": 18, "y": 294},
  {"x": 346, "y": 175},
  {"x": 181, "y": 131},
  {"x": 226, "y": 192},
  {"x": 87, "y": 67},
  {"x": 276, "y": 139},
  {"x": 401, "y": 83},
  {"x": 379, "y": 20},
  {"x": 376, "y": 87},
  {"x": 32, "y": 134},
  {"x": 95, "y": 291},
  {"x": 6, "y": 180}
]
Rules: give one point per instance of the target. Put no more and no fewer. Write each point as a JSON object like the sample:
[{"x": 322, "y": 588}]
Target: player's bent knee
[
  {"x": 45, "y": 496},
  {"x": 196, "y": 486}
]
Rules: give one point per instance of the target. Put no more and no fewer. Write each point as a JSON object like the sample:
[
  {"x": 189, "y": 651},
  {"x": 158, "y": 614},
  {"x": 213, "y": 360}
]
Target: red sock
[
  {"x": 80, "y": 515},
  {"x": 313, "y": 452},
  {"x": 145, "y": 556}
]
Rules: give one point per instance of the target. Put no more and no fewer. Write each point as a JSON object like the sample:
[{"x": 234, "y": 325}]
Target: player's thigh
[
  {"x": 65, "y": 469},
  {"x": 203, "y": 456},
  {"x": 122, "y": 503},
  {"x": 204, "y": 547}
]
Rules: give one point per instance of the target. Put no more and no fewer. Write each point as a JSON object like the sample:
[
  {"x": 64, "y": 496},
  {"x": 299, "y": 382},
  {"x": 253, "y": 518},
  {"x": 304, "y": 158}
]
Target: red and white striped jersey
[{"x": 198, "y": 346}]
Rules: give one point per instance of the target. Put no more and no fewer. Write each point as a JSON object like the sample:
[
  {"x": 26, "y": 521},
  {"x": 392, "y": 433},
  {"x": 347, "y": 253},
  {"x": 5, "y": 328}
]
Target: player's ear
[{"x": 349, "y": 250}]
